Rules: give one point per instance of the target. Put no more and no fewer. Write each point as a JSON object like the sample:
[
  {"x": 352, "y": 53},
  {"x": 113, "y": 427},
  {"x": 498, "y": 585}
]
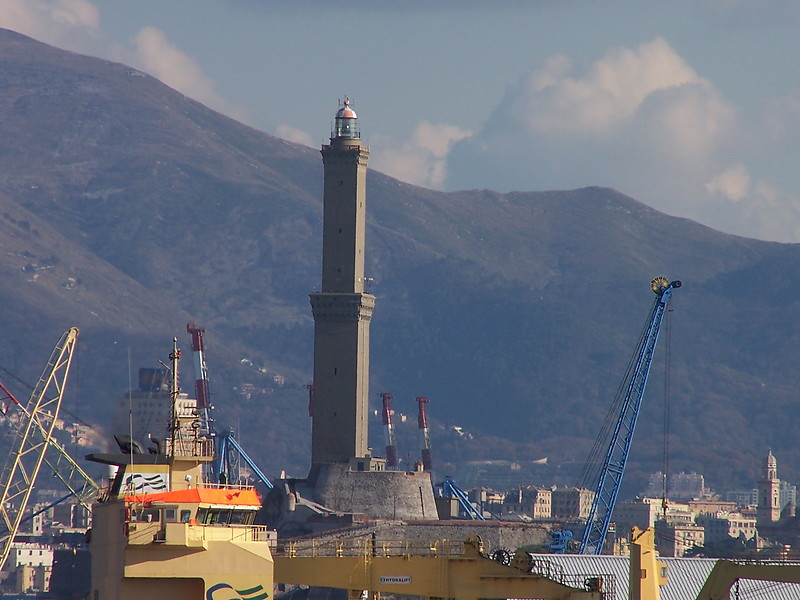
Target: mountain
[{"x": 129, "y": 210}]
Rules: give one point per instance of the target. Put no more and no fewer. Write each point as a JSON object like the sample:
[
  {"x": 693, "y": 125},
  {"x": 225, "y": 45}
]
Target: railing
[
  {"x": 228, "y": 486},
  {"x": 231, "y": 533},
  {"x": 191, "y": 446},
  {"x": 368, "y": 546},
  {"x": 184, "y": 534}
]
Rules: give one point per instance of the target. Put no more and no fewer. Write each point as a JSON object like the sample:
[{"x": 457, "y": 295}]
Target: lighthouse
[
  {"x": 342, "y": 310},
  {"x": 346, "y": 484}
]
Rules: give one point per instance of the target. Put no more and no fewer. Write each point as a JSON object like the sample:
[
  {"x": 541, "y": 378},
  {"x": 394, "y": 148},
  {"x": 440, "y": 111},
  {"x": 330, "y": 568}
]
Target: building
[
  {"x": 685, "y": 577},
  {"x": 743, "y": 498},
  {"x": 639, "y": 512},
  {"x": 721, "y": 526},
  {"x": 32, "y": 579},
  {"x": 708, "y": 506},
  {"x": 769, "y": 490},
  {"x": 144, "y": 413},
  {"x": 30, "y": 554},
  {"x": 788, "y": 494},
  {"x": 675, "y": 538},
  {"x": 541, "y": 499},
  {"x": 532, "y": 501},
  {"x": 680, "y": 486},
  {"x": 571, "y": 503}
]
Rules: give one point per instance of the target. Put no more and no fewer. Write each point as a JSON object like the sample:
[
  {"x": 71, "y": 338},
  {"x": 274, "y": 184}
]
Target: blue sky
[{"x": 692, "y": 107}]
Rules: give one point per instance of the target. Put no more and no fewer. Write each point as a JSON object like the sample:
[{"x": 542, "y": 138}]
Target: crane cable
[
  {"x": 29, "y": 387},
  {"x": 589, "y": 476},
  {"x": 667, "y": 391}
]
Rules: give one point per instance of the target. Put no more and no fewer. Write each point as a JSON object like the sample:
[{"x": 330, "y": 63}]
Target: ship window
[
  {"x": 150, "y": 516},
  {"x": 169, "y": 515},
  {"x": 202, "y": 515},
  {"x": 239, "y": 517},
  {"x": 185, "y": 516}
]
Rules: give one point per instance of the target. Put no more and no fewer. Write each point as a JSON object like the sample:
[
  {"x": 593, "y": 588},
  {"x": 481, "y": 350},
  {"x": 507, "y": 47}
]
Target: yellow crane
[
  {"x": 432, "y": 568},
  {"x": 648, "y": 574},
  {"x": 725, "y": 573}
]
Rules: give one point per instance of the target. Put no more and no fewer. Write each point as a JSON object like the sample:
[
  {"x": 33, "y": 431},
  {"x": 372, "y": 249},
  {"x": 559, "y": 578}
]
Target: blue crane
[
  {"x": 227, "y": 464},
  {"x": 594, "y": 535},
  {"x": 451, "y": 490}
]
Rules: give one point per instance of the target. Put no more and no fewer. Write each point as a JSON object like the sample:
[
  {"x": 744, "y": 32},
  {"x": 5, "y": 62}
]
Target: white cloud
[
  {"x": 642, "y": 121},
  {"x": 421, "y": 160},
  {"x": 71, "y": 24},
  {"x": 293, "y": 134},
  {"x": 770, "y": 213},
  {"x": 551, "y": 99},
  {"x": 162, "y": 59},
  {"x": 733, "y": 183},
  {"x": 75, "y": 25}
]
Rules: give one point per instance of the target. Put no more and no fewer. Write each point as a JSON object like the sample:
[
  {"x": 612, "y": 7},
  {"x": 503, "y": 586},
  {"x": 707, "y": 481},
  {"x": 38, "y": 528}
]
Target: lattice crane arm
[
  {"x": 34, "y": 436},
  {"x": 64, "y": 468},
  {"x": 228, "y": 443},
  {"x": 616, "y": 457}
]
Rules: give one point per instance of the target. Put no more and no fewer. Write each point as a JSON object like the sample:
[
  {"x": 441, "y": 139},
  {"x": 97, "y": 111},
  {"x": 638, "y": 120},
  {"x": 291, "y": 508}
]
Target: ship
[{"x": 160, "y": 530}]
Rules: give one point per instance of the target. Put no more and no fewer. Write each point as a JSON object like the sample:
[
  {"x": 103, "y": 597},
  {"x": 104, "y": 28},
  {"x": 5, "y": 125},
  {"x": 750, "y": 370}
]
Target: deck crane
[
  {"x": 616, "y": 457},
  {"x": 201, "y": 377},
  {"x": 34, "y": 439}
]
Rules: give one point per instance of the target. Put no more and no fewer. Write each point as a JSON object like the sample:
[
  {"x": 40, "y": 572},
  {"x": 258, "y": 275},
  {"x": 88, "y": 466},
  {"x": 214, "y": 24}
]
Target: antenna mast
[{"x": 174, "y": 393}]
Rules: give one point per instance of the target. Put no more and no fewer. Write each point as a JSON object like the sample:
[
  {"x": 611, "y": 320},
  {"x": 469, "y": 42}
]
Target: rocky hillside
[{"x": 129, "y": 210}]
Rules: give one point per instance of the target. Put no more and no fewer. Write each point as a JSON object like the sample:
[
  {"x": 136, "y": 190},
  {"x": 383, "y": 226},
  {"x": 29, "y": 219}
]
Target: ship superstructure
[{"x": 161, "y": 531}]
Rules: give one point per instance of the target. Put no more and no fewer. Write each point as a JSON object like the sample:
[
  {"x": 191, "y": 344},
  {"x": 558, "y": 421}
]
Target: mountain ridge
[{"x": 515, "y": 313}]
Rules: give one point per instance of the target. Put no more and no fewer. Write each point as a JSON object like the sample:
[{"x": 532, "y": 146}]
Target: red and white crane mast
[
  {"x": 422, "y": 421},
  {"x": 201, "y": 374},
  {"x": 391, "y": 448}
]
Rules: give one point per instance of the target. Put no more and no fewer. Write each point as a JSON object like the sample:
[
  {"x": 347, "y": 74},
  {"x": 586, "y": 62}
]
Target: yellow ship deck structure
[
  {"x": 196, "y": 542},
  {"x": 160, "y": 531}
]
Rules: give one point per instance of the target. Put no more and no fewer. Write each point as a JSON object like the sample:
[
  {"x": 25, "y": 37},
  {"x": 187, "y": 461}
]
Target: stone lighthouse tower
[
  {"x": 346, "y": 484},
  {"x": 342, "y": 310}
]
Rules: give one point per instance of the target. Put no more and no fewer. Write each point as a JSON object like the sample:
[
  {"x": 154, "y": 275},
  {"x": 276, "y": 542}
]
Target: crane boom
[
  {"x": 422, "y": 422},
  {"x": 63, "y": 466},
  {"x": 391, "y": 446},
  {"x": 616, "y": 458},
  {"x": 33, "y": 438},
  {"x": 201, "y": 377},
  {"x": 250, "y": 462}
]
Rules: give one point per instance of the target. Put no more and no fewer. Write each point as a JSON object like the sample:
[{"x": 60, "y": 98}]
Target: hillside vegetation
[{"x": 129, "y": 210}]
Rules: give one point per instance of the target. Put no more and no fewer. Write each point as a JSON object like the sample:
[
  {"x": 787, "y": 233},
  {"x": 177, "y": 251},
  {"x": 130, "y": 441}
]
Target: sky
[{"x": 692, "y": 107}]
